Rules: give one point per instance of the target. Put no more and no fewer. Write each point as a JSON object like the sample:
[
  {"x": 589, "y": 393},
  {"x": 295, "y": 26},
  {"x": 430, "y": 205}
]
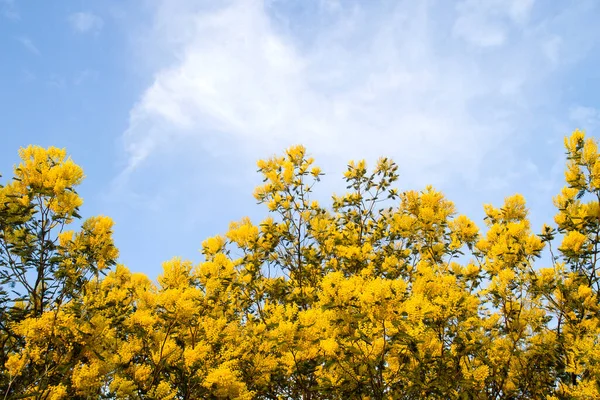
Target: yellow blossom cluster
[{"x": 383, "y": 295}]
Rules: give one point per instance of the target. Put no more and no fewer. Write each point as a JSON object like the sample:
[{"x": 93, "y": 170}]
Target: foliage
[{"x": 384, "y": 294}]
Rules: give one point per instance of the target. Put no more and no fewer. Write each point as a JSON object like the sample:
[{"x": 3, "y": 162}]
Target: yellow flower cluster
[{"x": 385, "y": 294}]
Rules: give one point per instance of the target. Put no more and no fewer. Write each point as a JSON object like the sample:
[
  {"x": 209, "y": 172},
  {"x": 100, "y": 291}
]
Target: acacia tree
[
  {"x": 383, "y": 294},
  {"x": 44, "y": 268},
  {"x": 573, "y": 289}
]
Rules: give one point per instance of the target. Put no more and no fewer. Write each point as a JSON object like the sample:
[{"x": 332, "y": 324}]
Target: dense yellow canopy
[{"x": 382, "y": 295}]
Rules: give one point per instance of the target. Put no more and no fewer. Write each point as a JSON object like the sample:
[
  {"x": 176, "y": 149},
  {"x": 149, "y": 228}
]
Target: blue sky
[{"x": 167, "y": 104}]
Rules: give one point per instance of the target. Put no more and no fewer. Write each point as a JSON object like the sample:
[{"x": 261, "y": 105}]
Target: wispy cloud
[
  {"x": 27, "y": 76},
  {"x": 85, "y": 75},
  {"x": 447, "y": 91},
  {"x": 86, "y": 22},
  {"x": 8, "y": 9},
  {"x": 29, "y": 45},
  {"x": 488, "y": 23},
  {"x": 585, "y": 117},
  {"x": 56, "y": 82}
]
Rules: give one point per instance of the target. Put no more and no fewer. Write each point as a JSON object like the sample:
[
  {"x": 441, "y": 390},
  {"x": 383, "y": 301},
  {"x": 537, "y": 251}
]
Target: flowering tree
[{"x": 383, "y": 294}]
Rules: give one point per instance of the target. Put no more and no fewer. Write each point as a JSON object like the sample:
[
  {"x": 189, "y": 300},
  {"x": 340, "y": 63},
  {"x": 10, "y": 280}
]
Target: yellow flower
[
  {"x": 573, "y": 242},
  {"x": 57, "y": 392},
  {"x": 213, "y": 245}
]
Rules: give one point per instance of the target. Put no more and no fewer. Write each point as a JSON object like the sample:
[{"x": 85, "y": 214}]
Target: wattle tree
[{"x": 381, "y": 294}]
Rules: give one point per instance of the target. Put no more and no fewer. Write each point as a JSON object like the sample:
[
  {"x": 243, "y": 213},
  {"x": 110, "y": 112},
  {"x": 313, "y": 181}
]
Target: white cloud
[
  {"x": 29, "y": 45},
  {"x": 552, "y": 48},
  {"x": 519, "y": 10},
  {"x": 239, "y": 80},
  {"x": 487, "y": 23},
  {"x": 86, "y": 22},
  {"x": 368, "y": 81}
]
